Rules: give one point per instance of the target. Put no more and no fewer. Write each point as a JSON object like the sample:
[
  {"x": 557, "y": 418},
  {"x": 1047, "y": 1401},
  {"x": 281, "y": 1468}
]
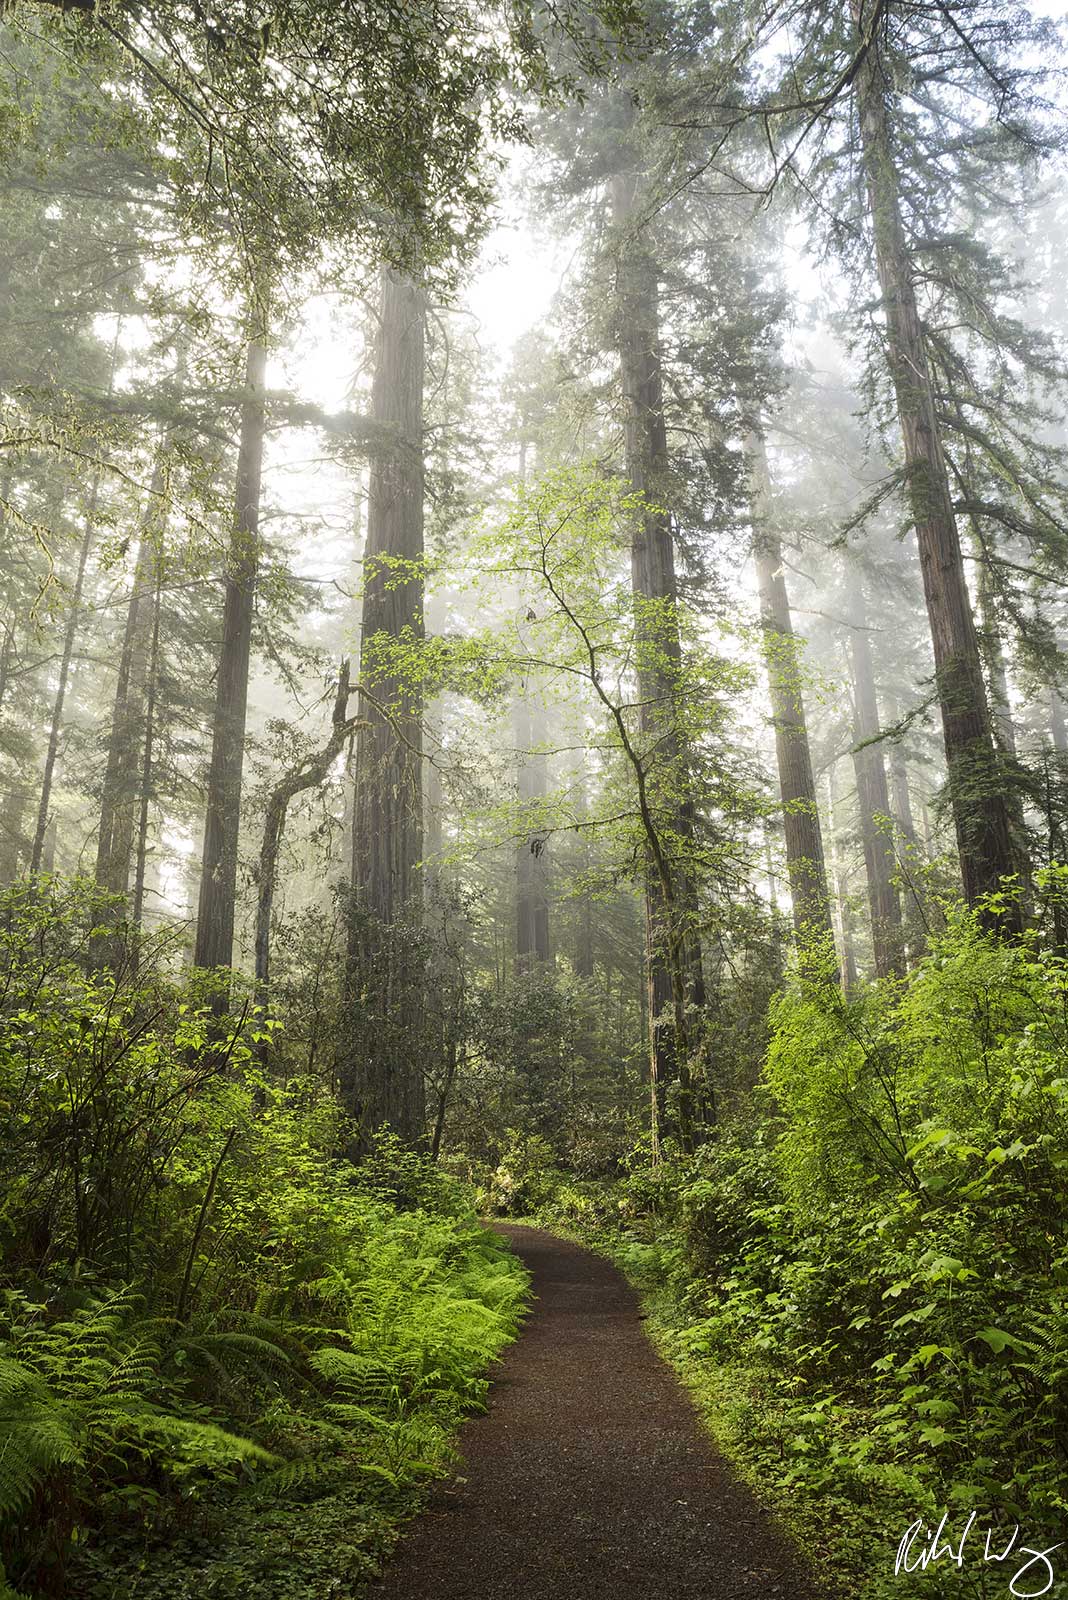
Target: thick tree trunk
[
  {"x": 797, "y": 786},
  {"x": 381, "y": 1079},
  {"x": 992, "y": 650},
  {"x": 976, "y": 787},
  {"x": 218, "y": 870},
  {"x": 55, "y": 730},
  {"x": 673, "y": 956},
  {"x": 876, "y": 827},
  {"x": 532, "y": 853}
]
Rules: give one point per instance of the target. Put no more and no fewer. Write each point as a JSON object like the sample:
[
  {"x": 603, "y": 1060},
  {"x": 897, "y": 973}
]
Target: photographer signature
[{"x": 1032, "y": 1570}]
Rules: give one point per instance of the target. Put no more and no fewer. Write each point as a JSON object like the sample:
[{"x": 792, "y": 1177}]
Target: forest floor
[{"x": 590, "y": 1477}]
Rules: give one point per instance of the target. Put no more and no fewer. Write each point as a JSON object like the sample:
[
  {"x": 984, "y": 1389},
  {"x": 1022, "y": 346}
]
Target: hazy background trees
[{"x": 791, "y": 363}]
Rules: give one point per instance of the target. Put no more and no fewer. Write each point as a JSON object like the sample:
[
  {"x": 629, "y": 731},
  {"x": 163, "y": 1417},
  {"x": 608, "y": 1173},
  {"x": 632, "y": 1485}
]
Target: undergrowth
[
  {"x": 864, "y": 1276},
  {"x": 228, "y": 1360}
]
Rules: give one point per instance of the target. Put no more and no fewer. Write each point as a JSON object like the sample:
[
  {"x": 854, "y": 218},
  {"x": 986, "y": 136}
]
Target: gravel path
[{"x": 590, "y": 1477}]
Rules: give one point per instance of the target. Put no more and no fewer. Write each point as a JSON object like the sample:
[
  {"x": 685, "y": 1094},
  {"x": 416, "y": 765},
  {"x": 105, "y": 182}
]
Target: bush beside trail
[
  {"x": 228, "y": 1360},
  {"x": 864, "y": 1275}
]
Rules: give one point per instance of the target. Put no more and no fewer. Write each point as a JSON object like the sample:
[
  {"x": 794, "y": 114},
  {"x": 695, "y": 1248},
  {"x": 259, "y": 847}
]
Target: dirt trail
[{"x": 590, "y": 1477}]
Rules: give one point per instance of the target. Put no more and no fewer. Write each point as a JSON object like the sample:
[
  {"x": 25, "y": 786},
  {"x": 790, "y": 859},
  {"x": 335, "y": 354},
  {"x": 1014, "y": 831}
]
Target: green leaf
[{"x": 996, "y": 1339}]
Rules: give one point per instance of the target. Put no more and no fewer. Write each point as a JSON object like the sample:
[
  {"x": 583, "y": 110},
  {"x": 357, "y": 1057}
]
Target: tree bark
[
  {"x": 840, "y": 878},
  {"x": 673, "y": 955},
  {"x": 137, "y": 910},
  {"x": 876, "y": 829},
  {"x": 976, "y": 787},
  {"x": 992, "y": 649},
  {"x": 218, "y": 871},
  {"x": 797, "y": 785},
  {"x": 381, "y": 1082}
]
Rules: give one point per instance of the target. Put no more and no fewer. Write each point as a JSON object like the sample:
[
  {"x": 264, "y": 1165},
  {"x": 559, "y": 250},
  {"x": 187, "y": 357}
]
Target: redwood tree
[
  {"x": 382, "y": 1083},
  {"x": 797, "y": 786},
  {"x": 873, "y": 794},
  {"x": 218, "y": 871},
  {"x": 976, "y": 790}
]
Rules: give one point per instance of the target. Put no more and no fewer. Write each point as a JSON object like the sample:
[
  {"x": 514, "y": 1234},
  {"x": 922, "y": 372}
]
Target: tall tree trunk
[
  {"x": 770, "y": 874},
  {"x": 992, "y": 649},
  {"x": 673, "y": 955},
  {"x": 12, "y": 611},
  {"x": 797, "y": 786},
  {"x": 70, "y": 633},
  {"x": 118, "y": 801},
  {"x": 532, "y": 853},
  {"x": 840, "y": 878},
  {"x": 222, "y": 825},
  {"x": 913, "y": 853},
  {"x": 137, "y": 910},
  {"x": 976, "y": 788},
  {"x": 37, "y": 848},
  {"x": 876, "y": 829},
  {"x": 902, "y": 795},
  {"x": 381, "y": 1079}
]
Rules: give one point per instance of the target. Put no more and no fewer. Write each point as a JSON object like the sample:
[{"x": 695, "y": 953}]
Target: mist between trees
[{"x": 590, "y": 761}]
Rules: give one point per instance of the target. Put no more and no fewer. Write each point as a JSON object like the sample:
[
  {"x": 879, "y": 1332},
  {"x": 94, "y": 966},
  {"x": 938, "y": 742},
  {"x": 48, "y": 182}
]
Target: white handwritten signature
[{"x": 920, "y": 1547}]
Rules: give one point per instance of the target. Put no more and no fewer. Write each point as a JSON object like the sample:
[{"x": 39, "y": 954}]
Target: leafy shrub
[
  {"x": 867, "y": 1276},
  {"x": 525, "y": 1177},
  {"x": 209, "y": 1324}
]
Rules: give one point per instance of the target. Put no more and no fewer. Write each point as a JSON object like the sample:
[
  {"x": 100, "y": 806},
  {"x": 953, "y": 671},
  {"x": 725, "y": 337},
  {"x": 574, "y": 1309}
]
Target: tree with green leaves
[{"x": 877, "y": 92}]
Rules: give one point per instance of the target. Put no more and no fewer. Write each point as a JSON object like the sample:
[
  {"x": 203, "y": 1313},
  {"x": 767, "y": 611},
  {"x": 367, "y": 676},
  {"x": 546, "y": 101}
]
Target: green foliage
[
  {"x": 76, "y": 1395},
  {"x": 865, "y": 1277},
  {"x": 525, "y": 1177},
  {"x": 209, "y": 1321}
]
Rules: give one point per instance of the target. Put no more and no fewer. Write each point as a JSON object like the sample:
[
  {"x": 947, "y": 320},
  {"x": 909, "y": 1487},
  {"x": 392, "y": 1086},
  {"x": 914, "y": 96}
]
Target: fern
[
  {"x": 81, "y": 1397},
  {"x": 35, "y": 1435}
]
